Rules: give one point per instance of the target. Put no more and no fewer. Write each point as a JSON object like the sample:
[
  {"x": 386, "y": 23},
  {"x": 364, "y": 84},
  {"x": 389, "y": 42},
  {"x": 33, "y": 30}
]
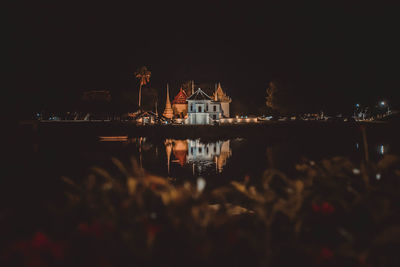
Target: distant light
[
  {"x": 357, "y": 145},
  {"x": 378, "y": 176},
  {"x": 383, "y": 103},
  {"x": 357, "y": 105},
  {"x": 356, "y": 171}
]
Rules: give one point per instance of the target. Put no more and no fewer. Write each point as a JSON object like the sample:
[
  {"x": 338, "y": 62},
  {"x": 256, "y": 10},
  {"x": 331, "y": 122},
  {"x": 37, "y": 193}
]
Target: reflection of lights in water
[
  {"x": 382, "y": 149},
  {"x": 113, "y": 138},
  {"x": 202, "y": 156},
  {"x": 201, "y": 184}
]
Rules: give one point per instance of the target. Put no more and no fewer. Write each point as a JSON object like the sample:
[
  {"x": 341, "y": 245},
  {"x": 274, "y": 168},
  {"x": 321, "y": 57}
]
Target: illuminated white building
[{"x": 202, "y": 109}]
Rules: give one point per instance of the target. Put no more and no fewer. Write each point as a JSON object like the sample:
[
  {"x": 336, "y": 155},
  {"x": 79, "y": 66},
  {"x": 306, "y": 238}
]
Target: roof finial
[
  {"x": 215, "y": 93},
  {"x": 167, "y": 92}
]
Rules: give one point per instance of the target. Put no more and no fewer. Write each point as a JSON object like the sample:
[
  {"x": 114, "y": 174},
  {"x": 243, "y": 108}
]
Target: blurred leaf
[{"x": 389, "y": 235}]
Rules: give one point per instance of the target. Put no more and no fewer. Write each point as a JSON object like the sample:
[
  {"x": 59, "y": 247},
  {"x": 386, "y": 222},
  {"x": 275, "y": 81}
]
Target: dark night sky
[{"x": 338, "y": 54}]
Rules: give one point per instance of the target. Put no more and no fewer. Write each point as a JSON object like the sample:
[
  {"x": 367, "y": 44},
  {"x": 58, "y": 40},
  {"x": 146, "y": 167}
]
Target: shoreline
[{"x": 271, "y": 130}]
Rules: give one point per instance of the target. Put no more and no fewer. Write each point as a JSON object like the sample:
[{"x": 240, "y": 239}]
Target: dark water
[{"x": 217, "y": 160}]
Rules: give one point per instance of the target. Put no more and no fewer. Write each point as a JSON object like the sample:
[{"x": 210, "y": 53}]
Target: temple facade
[
  {"x": 202, "y": 109},
  {"x": 198, "y": 108}
]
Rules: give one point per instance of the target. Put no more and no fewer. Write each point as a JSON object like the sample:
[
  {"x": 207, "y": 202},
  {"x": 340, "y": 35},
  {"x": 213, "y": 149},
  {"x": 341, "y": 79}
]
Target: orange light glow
[{"x": 113, "y": 138}]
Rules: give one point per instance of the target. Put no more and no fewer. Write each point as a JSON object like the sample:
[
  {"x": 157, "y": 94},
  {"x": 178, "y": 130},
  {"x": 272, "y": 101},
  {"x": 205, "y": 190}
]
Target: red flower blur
[
  {"x": 95, "y": 229},
  {"x": 326, "y": 254},
  {"x": 325, "y": 208},
  {"x": 315, "y": 207},
  {"x": 37, "y": 251}
]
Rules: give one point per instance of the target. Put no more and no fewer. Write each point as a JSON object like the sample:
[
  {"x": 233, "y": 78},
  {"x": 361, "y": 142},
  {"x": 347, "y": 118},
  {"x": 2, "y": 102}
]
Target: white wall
[
  {"x": 199, "y": 118},
  {"x": 196, "y": 117}
]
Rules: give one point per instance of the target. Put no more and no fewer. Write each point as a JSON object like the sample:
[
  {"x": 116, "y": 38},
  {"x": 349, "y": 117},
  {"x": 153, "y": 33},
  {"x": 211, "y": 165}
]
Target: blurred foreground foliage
[{"x": 333, "y": 213}]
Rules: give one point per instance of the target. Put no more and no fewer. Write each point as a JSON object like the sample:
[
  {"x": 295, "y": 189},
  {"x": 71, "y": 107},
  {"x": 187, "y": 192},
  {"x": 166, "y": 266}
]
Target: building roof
[
  {"x": 219, "y": 95},
  {"x": 199, "y": 95},
  {"x": 180, "y": 98}
]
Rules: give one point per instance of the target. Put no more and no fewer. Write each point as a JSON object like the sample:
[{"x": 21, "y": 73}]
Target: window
[
  {"x": 215, "y": 108},
  {"x": 199, "y": 109},
  {"x": 191, "y": 151},
  {"x": 207, "y": 150},
  {"x": 206, "y": 107},
  {"x": 191, "y": 107},
  {"x": 214, "y": 117},
  {"x": 200, "y": 149},
  {"x": 215, "y": 149}
]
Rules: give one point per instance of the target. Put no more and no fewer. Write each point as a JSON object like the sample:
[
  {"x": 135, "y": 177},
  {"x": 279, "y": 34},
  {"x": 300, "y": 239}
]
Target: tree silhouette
[{"x": 143, "y": 74}]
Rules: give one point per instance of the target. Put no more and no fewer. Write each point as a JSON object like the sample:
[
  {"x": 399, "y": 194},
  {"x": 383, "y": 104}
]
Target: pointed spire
[
  {"x": 219, "y": 95},
  {"x": 192, "y": 87},
  {"x": 168, "y": 113},
  {"x": 215, "y": 93},
  {"x": 167, "y": 93}
]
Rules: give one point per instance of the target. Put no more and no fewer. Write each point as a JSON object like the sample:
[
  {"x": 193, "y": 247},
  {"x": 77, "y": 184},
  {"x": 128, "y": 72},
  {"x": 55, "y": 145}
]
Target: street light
[{"x": 383, "y": 104}]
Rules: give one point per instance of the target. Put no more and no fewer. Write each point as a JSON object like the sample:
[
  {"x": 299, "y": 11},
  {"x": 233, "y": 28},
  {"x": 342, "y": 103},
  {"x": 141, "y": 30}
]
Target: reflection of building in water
[
  {"x": 201, "y": 155},
  {"x": 226, "y": 152},
  {"x": 168, "y": 149},
  {"x": 180, "y": 148}
]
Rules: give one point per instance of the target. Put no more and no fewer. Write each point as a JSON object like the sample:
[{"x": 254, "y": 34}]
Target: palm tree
[{"x": 143, "y": 74}]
